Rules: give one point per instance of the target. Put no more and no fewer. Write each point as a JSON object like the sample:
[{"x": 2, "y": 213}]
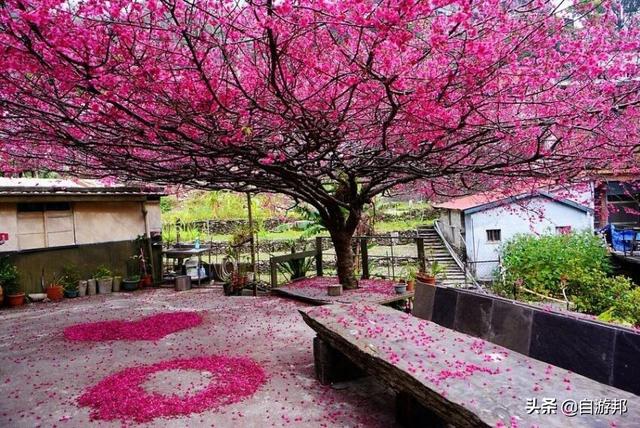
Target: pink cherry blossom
[{"x": 330, "y": 102}]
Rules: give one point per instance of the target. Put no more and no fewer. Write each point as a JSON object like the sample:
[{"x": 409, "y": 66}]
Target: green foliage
[
  {"x": 574, "y": 265},
  {"x": 625, "y": 310},
  {"x": 221, "y": 205},
  {"x": 297, "y": 268},
  {"x": 9, "y": 277},
  {"x": 435, "y": 269},
  {"x": 102, "y": 272},
  {"x": 410, "y": 271},
  {"x": 314, "y": 224},
  {"x": 167, "y": 203},
  {"x": 69, "y": 277},
  {"x": 398, "y": 225}
]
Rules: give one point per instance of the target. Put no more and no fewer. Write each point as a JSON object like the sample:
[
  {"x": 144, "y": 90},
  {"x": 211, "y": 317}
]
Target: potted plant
[
  {"x": 69, "y": 280},
  {"x": 429, "y": 277},
  {"x": 9, "y": 281},
  {"x": 55, "y": 290},
  {"x": 104, "y": 279},
  {"x": 71, "y": 290},
  {"x": 400, "y": 287},
  {"x": 91, "y": 286},
  {"x": 412, "y": 271},
  {"x": 146, "y": 279},
  {"x": 117, "y": 280},
  {"x": 131, "y": 283},
  {"x": 132, "y": 280},
  {"x": 82, "y": 288}
]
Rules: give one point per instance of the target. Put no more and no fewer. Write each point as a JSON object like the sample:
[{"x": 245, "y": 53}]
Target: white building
[{"x": 479, "y": 224}]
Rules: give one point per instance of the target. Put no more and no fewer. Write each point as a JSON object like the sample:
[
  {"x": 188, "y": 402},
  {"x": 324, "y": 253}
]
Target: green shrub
[
  {"x": 69, "y": 277},
  {"x": 577, "y": 263},
  {"x": 102, "y": 272},
  {"x": 625, "y": 310},
  {"x": 9, "y": 278}
]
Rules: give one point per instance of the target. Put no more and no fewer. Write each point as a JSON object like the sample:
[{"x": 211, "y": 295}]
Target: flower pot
[
  {"x": 15, "y": 299},
  {"x": 91, "y": 287},
  {"x": 105, "y": 285},
  {"x": 37, "y": 297},
  {"x": 130, "y": 284},
  {"x": 400, "y": 288},
  {"x": 334, "y": 290},
  {"x": 82, "y": 288},
  {"x": 146, "y": 281},
  {"x": 55, "y": 292},
  {"x": 411, "y": 285},
  {"x": 427, "y": 279},
  {"x": 70, "y": 294},
  {"x": 117, "y": 280}
]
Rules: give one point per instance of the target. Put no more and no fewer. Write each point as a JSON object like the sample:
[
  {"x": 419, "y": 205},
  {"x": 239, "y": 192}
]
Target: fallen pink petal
[
  {"x": 153, "y": 327},
  {"x": 122, "y": 395}
]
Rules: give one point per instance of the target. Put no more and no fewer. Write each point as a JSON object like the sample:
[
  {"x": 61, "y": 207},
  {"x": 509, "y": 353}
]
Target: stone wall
[
  {"x": 225, "y": 227},
  {"x": 603, "y": 352}
]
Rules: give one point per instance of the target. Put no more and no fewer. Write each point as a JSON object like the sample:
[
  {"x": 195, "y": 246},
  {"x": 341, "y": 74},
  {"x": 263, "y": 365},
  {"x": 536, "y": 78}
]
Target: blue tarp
[{"x": 621, "y": 239}]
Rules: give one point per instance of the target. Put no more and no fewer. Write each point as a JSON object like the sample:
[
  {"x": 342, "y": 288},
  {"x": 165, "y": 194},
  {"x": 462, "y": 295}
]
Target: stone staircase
[{"x": 434, "y": 249}]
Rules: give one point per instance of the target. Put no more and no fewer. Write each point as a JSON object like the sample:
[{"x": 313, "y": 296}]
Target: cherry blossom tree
[{"x": 329, "y": 102}]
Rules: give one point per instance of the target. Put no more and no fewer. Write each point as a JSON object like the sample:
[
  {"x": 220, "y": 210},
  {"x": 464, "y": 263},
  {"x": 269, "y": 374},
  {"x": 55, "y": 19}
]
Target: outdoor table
[{"x": 181, "y": 253}]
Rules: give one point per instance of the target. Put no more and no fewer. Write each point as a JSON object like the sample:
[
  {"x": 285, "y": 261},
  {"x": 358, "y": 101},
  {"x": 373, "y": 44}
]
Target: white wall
[
  {"x": 154, "y": 216},
  {"x": 108, "y": 221},
  {"x": 87, "y": 223},
  {"x": 537, "y": 215},
  {"x": 451, "y": 222},
  {"x": 9, "y": 224}
]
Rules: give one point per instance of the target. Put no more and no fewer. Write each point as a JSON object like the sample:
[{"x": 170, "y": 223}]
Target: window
[
  {"x": 493, "y": 235},
  {"x": 563, "y": 230},
  {"x": 42, "y": 225}
]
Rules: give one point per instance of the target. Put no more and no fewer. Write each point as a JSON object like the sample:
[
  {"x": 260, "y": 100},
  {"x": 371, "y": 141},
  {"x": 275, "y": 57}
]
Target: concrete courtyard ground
[{"x": 42, "y": 374}]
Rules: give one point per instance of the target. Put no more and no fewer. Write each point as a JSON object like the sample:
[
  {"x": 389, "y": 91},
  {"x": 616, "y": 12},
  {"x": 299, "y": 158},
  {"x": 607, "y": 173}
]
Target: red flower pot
[
  {"x": 15, "y": 299},
  {"x": 426, "y": 279},
  {"x": 55, "y": 292},
  {"x": 146, "y": 281}
]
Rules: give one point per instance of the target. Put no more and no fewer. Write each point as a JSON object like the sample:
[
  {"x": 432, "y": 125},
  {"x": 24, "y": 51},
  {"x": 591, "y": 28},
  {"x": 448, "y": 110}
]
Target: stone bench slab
[{"x": 464, "y": 380}]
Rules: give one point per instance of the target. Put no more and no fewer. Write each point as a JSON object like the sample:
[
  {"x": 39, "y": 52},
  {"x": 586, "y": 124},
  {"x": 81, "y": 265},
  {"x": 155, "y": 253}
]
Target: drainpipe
[{"x": 148, "y": 235}]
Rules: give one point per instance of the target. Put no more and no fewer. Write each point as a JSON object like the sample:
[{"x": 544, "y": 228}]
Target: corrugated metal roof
[{"x": 55, "y": 186}]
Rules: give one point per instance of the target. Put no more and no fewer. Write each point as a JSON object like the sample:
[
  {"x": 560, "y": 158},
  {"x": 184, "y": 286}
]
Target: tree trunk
[{"x": 344, "y": 258}]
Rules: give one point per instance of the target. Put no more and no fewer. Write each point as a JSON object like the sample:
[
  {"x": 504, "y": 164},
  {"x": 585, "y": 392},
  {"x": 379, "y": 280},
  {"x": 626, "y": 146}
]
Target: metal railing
[{"x": 456, "y": 257}]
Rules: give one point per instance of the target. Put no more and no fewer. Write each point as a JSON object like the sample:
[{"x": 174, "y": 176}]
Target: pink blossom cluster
[
  {"x": 153, "y": 327},
  {"x": 122, "y": 395}
]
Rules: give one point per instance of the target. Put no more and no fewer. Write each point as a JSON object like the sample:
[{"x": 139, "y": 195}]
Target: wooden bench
[{"x": 446, "y": 377}]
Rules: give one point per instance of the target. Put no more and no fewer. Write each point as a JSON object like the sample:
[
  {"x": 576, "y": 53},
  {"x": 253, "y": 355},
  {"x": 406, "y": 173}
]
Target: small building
[
  {"x": 617, "y": 201},
  {"x": 46, "y": 224},
  {"x": 478, "y": 225}
]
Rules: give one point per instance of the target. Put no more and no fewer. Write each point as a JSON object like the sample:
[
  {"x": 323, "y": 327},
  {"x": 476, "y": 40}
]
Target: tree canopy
[{"x": 330, "y": 102}]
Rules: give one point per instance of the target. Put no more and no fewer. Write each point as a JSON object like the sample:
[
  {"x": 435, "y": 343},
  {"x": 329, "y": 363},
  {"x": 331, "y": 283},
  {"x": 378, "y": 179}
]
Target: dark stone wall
[
  {"x": 86, "y": 258},
  {"x": 606, "y": 353}
]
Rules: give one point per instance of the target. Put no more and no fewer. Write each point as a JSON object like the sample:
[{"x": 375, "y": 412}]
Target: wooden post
[
  {"x": 253, "y": 247},
  {"x": 319, "y": 256},
  {"x": 421, "y": 261},
  {"x": 364, "y": 252},
  {"x": 273, "y": 270}
]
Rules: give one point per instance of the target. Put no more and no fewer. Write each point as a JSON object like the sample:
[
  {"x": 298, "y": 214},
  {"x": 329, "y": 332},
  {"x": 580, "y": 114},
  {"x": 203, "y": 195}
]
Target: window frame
[{"x": 490, "y": 232}]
